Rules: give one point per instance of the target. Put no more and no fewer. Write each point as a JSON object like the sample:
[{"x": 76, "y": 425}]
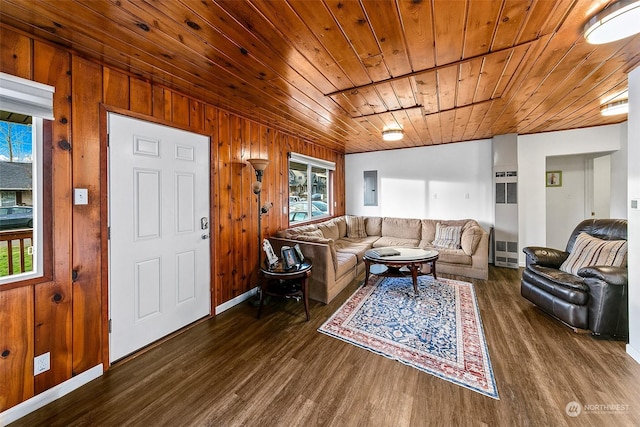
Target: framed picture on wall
[{"x": 554, "y": 178}]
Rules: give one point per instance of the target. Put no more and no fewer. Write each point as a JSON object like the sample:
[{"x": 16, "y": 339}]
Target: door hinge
[
  {"x": 110, "y": 325},
  {"x": 108, "y": 233}
]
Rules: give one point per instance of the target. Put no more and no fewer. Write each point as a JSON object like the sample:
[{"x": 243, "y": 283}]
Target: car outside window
[{"x": 309, "y": 188}]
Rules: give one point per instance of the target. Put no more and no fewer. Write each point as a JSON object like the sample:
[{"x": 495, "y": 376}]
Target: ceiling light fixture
[
  {"x": 615, "y": 22},
  {"x": 614, "y": 108},
  {"x": 392, "y": 134}
]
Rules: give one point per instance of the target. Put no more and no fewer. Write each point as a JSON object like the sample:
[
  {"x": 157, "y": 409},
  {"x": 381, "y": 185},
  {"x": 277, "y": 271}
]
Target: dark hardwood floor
[{"x": 279, "y": 371}]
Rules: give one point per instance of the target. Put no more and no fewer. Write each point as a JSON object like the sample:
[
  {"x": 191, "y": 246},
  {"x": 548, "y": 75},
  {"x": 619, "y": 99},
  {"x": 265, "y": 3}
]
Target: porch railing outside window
[{"x": 16, "y": 255}]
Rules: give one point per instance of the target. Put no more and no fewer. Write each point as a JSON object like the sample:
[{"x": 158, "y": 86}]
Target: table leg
[
  {"x": 433, "y": 270},
  {"x": 263, "y": 288},
  {"x": 304, "y": 286},
  {"x": 414, "y": 276},
  {"x": 367, "y": 264}
]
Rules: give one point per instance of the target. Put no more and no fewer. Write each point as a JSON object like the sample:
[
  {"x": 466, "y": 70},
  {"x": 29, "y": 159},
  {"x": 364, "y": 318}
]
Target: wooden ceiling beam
[
  {"x": 435, "y": 68},
  {"x": 428, "y": 114}
]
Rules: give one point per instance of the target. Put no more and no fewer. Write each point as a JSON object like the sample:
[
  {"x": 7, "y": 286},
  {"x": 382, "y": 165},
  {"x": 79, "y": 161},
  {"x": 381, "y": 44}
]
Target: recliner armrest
[
  {"x": 611, "y": 275},
  {"x": 546, "y": 257}
]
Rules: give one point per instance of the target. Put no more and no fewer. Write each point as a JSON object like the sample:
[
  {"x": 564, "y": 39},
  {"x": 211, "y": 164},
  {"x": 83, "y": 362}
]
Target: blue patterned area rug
[{"x": 438, "y": 332}]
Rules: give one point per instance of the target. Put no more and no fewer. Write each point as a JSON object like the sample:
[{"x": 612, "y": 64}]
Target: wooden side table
[{"x": 278, "y": 282}]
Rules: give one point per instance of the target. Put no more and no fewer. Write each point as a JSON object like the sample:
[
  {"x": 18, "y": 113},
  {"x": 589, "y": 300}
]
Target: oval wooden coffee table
[{"x": 409, "y": 258}]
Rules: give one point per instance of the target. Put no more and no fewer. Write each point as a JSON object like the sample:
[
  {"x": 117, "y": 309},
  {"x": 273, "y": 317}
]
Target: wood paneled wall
[{"x": 68, "y": 317}]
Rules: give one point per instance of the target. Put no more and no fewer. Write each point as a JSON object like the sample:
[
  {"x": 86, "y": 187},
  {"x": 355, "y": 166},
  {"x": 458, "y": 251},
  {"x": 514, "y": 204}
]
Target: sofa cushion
[
  {"x": 470, "y": 239},
  {"x": 373, "y": 225},
  {"x": 290, "y": 233},
  {"x": 428, "y": 231},
  {"x": 352, "y": 247},
  {"x": 344, "y": 263},
  {"x": 452, "y": 256},
  {"x": 588, "y": 250},
  {"x": 315, "y": 233},
  {"x": 369, "y": 240},
  {"x": 563, "y": 285},
  {"x": 447, "y": 237},
  {"x": 403, "y": 228},
  {"x": 342, "y": 226},
  {"x": 355, "y": 226},
  {"x": 330, "y": 230},
  {"x": 395, "y": 241}
]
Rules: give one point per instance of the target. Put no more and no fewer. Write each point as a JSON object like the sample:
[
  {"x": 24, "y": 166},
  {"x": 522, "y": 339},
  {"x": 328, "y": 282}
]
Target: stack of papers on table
[{"x": 386, "y": 252}]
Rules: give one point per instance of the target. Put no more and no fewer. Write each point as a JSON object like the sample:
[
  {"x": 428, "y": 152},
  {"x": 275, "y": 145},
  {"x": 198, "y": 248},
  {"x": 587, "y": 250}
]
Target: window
[
  {"x": 309, "y": 188},
  {"x": 23, "y": 106}
]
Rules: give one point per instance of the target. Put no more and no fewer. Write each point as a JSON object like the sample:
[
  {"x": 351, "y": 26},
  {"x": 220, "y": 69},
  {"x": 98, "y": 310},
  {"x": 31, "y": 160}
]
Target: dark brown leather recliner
[{"x": 595, "y": 299}]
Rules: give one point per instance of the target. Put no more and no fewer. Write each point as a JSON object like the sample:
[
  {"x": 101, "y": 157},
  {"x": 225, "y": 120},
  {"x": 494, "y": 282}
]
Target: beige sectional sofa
[{"x": 338, "y": 258}]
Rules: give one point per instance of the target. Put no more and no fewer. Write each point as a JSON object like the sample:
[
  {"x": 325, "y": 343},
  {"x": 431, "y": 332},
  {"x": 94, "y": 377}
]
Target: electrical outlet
[{"x": 41, "y": 363}]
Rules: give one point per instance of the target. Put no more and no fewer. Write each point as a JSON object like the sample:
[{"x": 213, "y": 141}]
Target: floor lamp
[{"x": 259, "y": 165}]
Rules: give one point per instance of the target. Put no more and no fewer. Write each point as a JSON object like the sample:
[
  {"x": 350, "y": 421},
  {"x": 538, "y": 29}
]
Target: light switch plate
[
  {"x": 634, "y": 204},
  {"x": 80, "y": 196}
]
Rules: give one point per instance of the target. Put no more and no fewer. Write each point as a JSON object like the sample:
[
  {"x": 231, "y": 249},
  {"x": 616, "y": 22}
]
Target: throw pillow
[
  {"x": 447, "y": 237},
  {"x": 314, "y": 233},
  {"x": 470, "y": 239},
  {"x": 355, "y": 227},
  {"x": 330, "y": 230},
  {"x": 588, "y": 250}
]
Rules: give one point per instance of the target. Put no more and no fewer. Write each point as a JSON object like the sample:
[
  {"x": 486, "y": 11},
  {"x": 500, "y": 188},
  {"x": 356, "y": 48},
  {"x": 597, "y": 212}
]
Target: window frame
[
  {"x": 35, "y": 99},
  {"x": 311, "y": 163}
]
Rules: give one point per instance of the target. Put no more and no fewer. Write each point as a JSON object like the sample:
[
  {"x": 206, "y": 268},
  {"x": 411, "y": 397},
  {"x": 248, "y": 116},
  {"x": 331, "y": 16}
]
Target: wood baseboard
[{"x": 39, "y": 400}]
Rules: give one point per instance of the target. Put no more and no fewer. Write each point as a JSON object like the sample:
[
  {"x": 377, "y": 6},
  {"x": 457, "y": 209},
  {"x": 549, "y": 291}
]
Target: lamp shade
[
  {"x": 616, "y": 22},
  {"x": 392, "y": 134},
  {"x": 614, "y": 108},
  {"x": 259, "y": 164}
]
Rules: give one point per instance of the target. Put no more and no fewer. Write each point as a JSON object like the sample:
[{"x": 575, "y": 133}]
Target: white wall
[
  {"x": 633, "y": 182},
  {"x": 601, "y": 188},
  {"x": 450, "y": 181},
  {"x": 618, "y": 201},
  {"x": 565, "y": 204},
  {"x": 585, "y": 193},
  {"x": 533, "y": 151}
]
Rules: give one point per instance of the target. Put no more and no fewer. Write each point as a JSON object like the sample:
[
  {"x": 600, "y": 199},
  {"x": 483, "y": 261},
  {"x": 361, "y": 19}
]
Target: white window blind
[
  {"x": 301, "y": 158},
  {"x": 24, "y": 96}
]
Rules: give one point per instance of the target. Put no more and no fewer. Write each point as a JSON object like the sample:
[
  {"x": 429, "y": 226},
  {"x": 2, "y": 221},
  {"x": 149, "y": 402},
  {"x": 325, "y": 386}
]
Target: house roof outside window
[{"x": 15, "y": 176}]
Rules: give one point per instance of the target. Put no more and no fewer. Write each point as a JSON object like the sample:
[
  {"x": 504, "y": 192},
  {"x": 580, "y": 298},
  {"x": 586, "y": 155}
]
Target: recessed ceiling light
[
  {"x": 615, "y": 108},
  {"x": 616, "y": 22},
  {"x": 392, "y": 134}
]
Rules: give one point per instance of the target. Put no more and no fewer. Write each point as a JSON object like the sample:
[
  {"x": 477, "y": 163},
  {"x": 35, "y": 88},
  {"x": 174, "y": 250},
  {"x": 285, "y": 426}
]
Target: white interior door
[{"x": 159, "y": 265}]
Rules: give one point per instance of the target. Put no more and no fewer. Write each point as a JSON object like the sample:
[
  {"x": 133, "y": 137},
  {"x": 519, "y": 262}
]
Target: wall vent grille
[{"x": 506, "y": 254}]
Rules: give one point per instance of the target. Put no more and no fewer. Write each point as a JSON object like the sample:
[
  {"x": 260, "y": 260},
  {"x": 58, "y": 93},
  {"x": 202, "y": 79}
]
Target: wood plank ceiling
[{"x": 338, "y": 72}]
